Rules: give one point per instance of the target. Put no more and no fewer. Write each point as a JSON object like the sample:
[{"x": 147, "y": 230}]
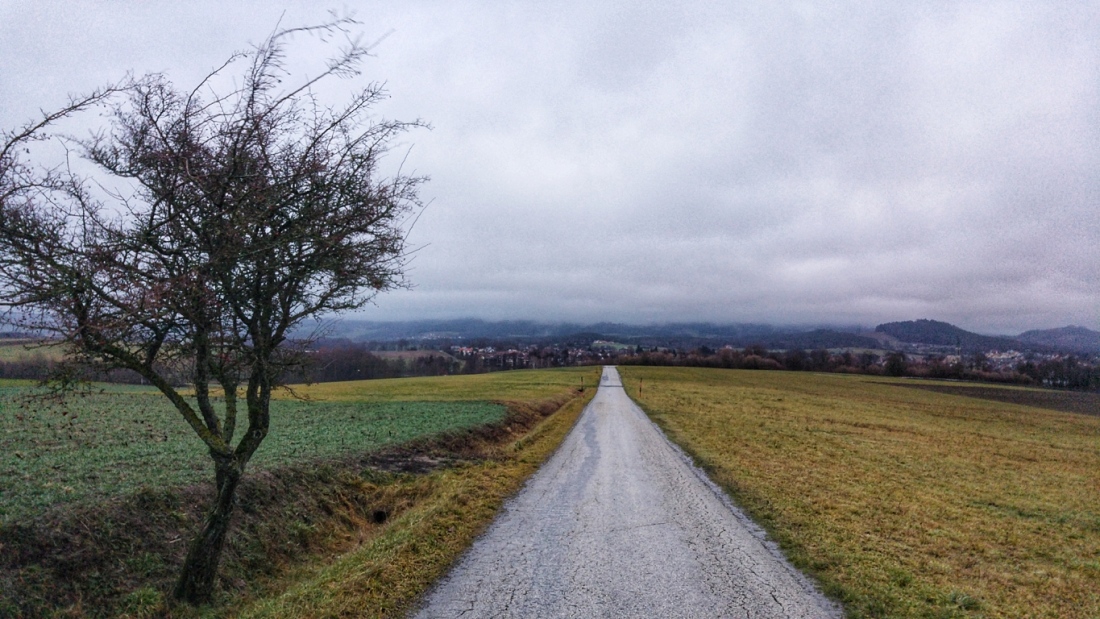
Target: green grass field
[
  {"x": 117, "y": 441},
  {"x": 307, "y": 540},
  {"x": 902, "y": 502}
]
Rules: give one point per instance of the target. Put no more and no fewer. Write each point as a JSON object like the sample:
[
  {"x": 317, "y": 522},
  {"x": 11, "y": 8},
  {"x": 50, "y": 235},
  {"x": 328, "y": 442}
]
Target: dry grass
[
  {"x": 521, "y": 385},
  {"x": 308, "y": 538},
  {"x": 28, "y": 350},
  {"x": 387, "y": 574},
  {"x": 902, "y": 502}
]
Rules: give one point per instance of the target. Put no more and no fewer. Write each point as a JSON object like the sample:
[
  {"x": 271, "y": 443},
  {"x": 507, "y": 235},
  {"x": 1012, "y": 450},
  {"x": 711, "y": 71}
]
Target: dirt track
[{"x": 618, "y": 523}]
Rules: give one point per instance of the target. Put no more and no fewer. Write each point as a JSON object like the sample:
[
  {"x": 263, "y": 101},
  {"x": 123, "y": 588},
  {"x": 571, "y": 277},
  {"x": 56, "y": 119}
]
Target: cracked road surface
[{"x": 618, "y": 523}]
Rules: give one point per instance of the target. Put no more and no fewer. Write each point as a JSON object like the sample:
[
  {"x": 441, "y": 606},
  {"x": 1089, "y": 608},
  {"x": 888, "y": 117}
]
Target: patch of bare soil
[{"x": 1085, "y": 403}]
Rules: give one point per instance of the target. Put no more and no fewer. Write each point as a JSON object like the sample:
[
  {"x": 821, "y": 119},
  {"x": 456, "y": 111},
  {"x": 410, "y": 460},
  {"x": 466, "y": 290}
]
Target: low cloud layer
[{"x": 801, "y": 163}]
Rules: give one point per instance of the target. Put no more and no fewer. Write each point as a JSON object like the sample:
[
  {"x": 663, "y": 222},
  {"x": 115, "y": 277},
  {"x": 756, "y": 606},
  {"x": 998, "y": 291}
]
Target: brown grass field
[
  {"x": 16, "y": 350},
  {"x": 903, "y": 502}
]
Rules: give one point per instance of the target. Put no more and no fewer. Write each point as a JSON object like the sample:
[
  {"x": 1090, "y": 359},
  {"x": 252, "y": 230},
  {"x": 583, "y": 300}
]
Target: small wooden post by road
[{"x": 639, "y": 387}]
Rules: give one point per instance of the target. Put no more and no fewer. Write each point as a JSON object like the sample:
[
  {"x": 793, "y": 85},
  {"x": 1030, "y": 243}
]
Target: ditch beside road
[{"x": 618, "y": 523}]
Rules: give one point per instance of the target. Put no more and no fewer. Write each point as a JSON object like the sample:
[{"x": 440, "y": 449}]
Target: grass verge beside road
[
  {"x": 386, "y": 575},
  {"x": 901, "y": 502},
  {"x": 407, "y": 470}
]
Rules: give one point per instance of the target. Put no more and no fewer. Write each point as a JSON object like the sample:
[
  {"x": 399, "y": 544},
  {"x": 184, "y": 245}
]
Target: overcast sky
[{"x": 796, "y": 163}]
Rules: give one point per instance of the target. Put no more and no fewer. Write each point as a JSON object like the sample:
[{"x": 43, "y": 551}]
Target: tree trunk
[{"x": 200, "y": 569}]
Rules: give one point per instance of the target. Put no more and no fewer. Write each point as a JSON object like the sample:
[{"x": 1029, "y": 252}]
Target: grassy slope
[
  {"x": 120, "y": 442},
  {"x": 903, "y": 502},
  {"x": 501, "y": 386},
  {"x": 445, "y": 509},
  {"x": 117, "y": 441},
  {"x": 28, "y": 350},
  {"x": 385, "y": 575}
]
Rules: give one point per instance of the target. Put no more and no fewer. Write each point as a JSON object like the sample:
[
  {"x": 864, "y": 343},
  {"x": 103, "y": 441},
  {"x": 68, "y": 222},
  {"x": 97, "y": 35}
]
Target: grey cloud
[{"x": 795, "y": 162}]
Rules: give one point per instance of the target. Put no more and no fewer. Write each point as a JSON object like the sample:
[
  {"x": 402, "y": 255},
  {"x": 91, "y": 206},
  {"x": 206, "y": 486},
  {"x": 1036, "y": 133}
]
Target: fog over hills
[
  {"x": 1072, "y": 338},
  {"x": 470, "y": 328},
  {"x": 936, "y": 333},
  {"x": 886, "y": 335}
]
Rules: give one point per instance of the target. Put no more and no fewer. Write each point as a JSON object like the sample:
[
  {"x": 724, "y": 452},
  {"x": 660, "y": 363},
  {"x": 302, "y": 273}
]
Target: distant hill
[
  {"x": 1069, "y": 339},
  {"x": 686, "y": 336},
  {"x": 818, "y": 339},
  {"x": 936, "y": 333},
  {"x": 671, "y": 335},
  {"x": 472, "y": 328},
  {"x": 462, "y": 328}
]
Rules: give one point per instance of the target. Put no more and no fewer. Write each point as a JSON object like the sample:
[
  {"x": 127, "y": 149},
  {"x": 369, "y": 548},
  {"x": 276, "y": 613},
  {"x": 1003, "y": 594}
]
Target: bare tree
[{"x": 245, "y": 212}]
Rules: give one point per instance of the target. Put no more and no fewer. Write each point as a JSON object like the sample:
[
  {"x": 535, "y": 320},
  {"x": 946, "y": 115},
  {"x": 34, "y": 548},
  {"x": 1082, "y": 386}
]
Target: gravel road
[{"x": 618, "y": 523}]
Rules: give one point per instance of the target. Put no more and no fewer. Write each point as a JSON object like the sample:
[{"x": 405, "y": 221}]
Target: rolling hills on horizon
[
  {"x": 937, "y": 333},
  {"x": 1072, "y": 339}
]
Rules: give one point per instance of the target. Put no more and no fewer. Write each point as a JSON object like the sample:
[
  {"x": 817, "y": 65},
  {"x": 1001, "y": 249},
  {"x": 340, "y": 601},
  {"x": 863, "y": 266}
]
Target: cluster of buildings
[{"x": 492, "y": 358}]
